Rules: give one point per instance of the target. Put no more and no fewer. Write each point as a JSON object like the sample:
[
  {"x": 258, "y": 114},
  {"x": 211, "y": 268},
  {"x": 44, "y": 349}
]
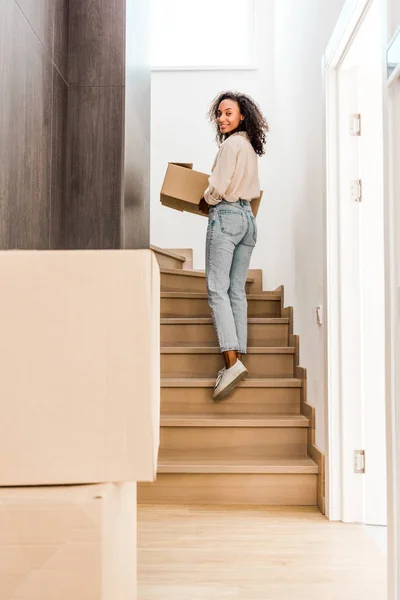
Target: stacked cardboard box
[
  {"x": 183, "y": 189},
  {"x": 68, "y": 543},
  {"x": 80, "y": 398}
]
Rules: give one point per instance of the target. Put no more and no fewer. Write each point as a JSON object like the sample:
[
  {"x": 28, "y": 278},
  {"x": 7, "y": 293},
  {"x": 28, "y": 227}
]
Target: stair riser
[
  {"x": 258, "y": 334},
  {"x": 257, "y": 276},
  {"x": 187, "y": 253},
  {"x": 208, "y": 365},
  {"x": 270, "y": 442},
  {"x": 262, "y": 401},
  {"x": 231, "y": 489},
  {"x": 186, "y": 283},
  {"x": 198, "y": 307},
  {"x": 168, "y": 262}
]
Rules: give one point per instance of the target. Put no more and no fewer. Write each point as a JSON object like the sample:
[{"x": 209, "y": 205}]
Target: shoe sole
[{"x": 229, "y": 388}]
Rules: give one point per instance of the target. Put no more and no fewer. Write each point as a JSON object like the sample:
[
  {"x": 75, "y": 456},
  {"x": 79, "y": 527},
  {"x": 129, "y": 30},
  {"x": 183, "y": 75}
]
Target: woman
[{"x": 232, "y": 230}]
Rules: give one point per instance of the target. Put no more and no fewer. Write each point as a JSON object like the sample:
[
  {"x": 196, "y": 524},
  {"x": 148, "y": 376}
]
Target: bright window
[{"x": 203, "y": 33}]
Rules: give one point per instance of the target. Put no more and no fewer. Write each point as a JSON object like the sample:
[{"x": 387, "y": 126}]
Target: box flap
[{"x": 185, "y": 165}]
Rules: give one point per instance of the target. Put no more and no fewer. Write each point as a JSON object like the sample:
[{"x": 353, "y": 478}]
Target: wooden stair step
[
  {"x": 191, "y": 274},
  {"x": 172, "y": 462},
  {"x": 274, "y": 295},
  {"x": 235, "y": 420},
  {"x": 200, "y": 331},
  {"x": 190, "y": 349},
  {"x": 258, "y": 396},
  {"x": 168, "y": 259},
  {"x": 189, "y": 281},
  {"x": 169, "y": 253},
  {"x": 282, "y": 440},
  {"x": 195, "y": 304},
  {"x": 187, "y": 253},
  {"x": 197, "y": 362},
  {"x": 209, "y": 321},
  {"x": 204, "y": 478},
  {"x": 231, "y": 489},
  {"x": 270, "y": 382}
]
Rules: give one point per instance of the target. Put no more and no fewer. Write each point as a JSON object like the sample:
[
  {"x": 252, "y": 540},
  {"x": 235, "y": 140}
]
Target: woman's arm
[
  {"x": 223, "y": 172},
  {"x": 204, "y": 206}
]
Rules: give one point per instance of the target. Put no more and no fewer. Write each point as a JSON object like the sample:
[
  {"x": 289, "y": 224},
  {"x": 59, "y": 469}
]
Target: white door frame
[
  {"x": 392, "y": 344},
  {"x": 346, "y": 28}
]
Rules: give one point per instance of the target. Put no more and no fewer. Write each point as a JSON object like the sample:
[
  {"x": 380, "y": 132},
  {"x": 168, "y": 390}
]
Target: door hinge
[
  {"x": 356, "y": 190},
  {"x": 355, "y": 124},
  {"x": 359, "y": 461}
]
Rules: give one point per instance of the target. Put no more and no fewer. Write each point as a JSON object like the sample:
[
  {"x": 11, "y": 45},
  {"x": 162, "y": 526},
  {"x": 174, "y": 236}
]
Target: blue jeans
[{"x": 231, "y": 238}]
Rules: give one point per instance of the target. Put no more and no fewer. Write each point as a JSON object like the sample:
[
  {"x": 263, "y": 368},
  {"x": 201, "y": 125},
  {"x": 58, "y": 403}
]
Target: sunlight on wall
[{"x": 206, "y": 33}]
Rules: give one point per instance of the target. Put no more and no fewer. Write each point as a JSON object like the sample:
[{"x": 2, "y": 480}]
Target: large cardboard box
[
  {"x": 79, "y": 366},
  {"x": 183, "y": 189},
  {"x": 68, "y": 543}
]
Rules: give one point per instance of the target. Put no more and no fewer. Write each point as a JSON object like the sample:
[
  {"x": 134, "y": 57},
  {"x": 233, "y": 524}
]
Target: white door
[
  {"x": 372, "y": 280},
  {"x": 362, "y": 251},
  {"x": 355, "y": 264},
  {"x": 350, "y": 299}
]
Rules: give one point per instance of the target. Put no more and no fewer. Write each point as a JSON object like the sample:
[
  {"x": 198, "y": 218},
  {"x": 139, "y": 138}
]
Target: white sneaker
[
  {"x": 227, "y": 379},
  {"x": 219, "y": 377}
]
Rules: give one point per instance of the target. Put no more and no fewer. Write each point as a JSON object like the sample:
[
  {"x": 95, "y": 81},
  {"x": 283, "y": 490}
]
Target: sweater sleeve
[{"x": 222, "y": 174}]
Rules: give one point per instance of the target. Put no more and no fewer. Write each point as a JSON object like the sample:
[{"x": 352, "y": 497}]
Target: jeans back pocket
[{"x": 232, "y": 222}]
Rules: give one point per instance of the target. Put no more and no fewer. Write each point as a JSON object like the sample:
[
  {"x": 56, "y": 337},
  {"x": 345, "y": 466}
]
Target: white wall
[
  {"x": 394, "y": 17},
  {"x": 292, "y": 35}
]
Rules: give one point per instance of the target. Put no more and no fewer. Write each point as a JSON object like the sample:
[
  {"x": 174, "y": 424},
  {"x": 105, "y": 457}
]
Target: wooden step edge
[
  {"x": 209, "y": 321},
  {"x": 167, "y": 349},
  {"x": 272, "y": 296},
  {"x": 283, "y": 466},
  {"x": 191, "y": 273},
  {"x": 236, "y": 420},
  {"x": 187, "y": 253},
  {"x": 158, "y": 250},
  {"x": 269, "y": 382}
]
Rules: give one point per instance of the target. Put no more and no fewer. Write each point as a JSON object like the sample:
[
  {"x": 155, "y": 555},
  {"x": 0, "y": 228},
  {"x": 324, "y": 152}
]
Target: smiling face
[{"x": 229, "y": 116}]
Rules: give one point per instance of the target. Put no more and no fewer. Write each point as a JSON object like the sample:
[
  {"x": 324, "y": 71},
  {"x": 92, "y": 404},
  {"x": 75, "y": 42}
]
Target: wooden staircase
[{"x": 257, "y": 447}]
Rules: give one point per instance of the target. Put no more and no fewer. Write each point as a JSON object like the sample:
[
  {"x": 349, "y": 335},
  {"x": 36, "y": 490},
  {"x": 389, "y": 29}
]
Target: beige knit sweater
[{"x": 234, "y": 174}]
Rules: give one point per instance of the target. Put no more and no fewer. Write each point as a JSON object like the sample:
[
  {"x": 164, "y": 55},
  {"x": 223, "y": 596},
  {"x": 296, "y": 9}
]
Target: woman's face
[{"x": 229, "y": 116}]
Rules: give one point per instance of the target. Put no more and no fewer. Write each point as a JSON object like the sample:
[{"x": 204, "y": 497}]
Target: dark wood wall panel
[
  {"x": 92, "y": 210},
  {"x": 96, "y": 42},
  {"x": 40, "y": 15},
  {"x": 108, "y": 202},
  {"x": 6, "y": 22},
  {"x": 49, "y": 20},
  {"x": 60, "y": 41},
  {"x": 74, "y": 153},
  {"x": 59, "y": 154},
  {"x": 33, "y": 110},
  {"x": 25, "y": 133}
]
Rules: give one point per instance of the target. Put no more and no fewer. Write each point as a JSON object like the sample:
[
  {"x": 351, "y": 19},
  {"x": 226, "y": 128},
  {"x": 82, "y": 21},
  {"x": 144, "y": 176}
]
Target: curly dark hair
[{"x": 254, "y": 122}]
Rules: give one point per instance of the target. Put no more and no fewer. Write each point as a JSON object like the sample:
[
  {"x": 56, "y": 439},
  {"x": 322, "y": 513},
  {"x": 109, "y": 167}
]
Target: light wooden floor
[{"x": 255, "y": 554}]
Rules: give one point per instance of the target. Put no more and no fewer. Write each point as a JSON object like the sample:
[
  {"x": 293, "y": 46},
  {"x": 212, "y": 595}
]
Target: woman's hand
[{"x": 204, "y": 207}]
